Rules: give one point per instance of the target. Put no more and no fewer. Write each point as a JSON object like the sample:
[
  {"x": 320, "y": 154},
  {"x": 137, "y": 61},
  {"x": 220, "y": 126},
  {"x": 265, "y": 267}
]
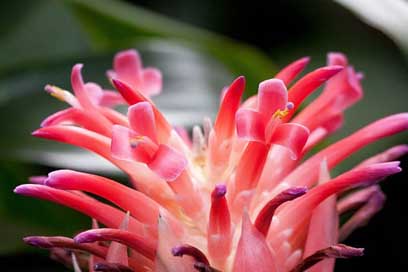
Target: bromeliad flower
[{"x": 236, "y": 196}]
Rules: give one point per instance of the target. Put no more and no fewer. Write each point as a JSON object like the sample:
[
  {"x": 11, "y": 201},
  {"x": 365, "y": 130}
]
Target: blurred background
[{"x": 200, "y": 46}]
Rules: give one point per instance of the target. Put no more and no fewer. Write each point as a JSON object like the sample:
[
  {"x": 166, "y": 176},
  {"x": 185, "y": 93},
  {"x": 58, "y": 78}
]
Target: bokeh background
[{"x": 200, "y": 46}]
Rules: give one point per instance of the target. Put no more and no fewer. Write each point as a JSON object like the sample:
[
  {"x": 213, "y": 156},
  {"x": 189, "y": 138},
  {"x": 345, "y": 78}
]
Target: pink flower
[{"x": 237, "y": 196}]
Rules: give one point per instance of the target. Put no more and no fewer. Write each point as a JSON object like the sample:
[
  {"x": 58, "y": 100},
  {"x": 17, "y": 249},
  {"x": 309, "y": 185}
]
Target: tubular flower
[{"x": 235, "y": 196}]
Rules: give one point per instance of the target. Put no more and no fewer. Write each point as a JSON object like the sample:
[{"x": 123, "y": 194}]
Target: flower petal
[
  {"x": 168, "y": 163},
  {"x": 292, "y": 136},
  {"x": 253, "y": 253},
  {"x": 250, "y": 125},
  {"x": 289, "y": 73}
]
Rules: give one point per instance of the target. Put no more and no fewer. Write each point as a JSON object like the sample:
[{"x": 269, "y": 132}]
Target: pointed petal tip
[{"x": 24, "y": 189}]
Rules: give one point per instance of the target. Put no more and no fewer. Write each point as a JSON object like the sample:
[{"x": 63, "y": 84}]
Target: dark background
[{"x": 286, "y": 30}]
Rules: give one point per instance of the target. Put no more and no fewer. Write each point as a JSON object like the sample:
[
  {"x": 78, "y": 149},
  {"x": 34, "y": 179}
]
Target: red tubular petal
[
  {"x": 141, "y": 244},
  {"x": 189, "y": 250},
  {"x": 131, "y": 95},
  {"x": 250, "y": 167},
  {"x": 168, "y": 163},
  {"x": 77, "y": 136},
  {"x": 224, "y": 125},
  {"x": 78, "y": 117},
  {"x": 142, "y": 120},
  {"x": 250, "y": 125},
  {"x": 272, "y": 96},
  {"x": 292, "y": 136},
  {"x": 335, "y": 251},
  {"x": 306, "y": 173},
  {"x": 309, "y": 83},
  {"x": 219, "y": 236},
  {"x": 64, "y": 242},
  {"x": 361, "y": 217},
  {"x": 253, "y": 253},
  {"x": 289, "y": 73},
  {"x": 264, "y": 218},
  {"x": 105, "y": 214},
  {"x": 146, "y": 210}
]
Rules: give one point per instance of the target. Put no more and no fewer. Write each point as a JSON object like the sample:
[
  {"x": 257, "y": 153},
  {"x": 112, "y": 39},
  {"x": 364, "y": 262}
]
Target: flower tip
[
  {"x": 219, "y": 191},
  {"x": 24, "y": 189},
  {"x": 343, "y": 251},
  {"x": 36, "y": 241},
  {"x": 177, "y": 251},
  {"x": 297, "y": 191},
  {"x": 86, "y": 237}
]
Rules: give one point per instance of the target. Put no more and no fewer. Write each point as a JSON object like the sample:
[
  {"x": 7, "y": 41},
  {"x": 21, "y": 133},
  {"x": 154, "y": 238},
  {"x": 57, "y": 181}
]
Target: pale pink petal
[
  {"x": 111, "y": 99},
  {"x": 127, "y": 67},
  {"x": 292, "y": 136},
  {"x": 152, "y": 81},
  {"x": 272, "y": 96},
  {"x": 253, "y": 253},
  {"x": 168, "y": 163},
  {"x": 142, "y": 120},
  {"x": 250, "y": 125}
]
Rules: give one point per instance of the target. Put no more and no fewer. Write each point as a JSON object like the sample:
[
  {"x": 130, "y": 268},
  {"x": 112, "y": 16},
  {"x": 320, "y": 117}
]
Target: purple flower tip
[
  {"x": 177, "y": 251},
  {"x": 290, "y": 105},
  {"x": 296, "y": 191},
  {"x": 86, "y": 237},
  {"x": 37, "y": 242},
  {"x": 219, "y": 191}
]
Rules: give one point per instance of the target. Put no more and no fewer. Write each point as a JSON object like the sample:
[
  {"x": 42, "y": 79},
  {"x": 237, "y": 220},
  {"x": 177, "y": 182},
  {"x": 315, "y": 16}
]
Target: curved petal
[
  {"x": 272, "y": 96},
  {"x": 250, "y": 125},
  {"x": 253, "y": 253},
  {"x": 168, "y": 163},
  {"x": 292, "y": 136},
  {"x": 289, "y": 73}
]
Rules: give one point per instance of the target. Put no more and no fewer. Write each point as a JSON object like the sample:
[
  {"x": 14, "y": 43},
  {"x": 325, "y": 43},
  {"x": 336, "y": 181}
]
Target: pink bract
[{"x": 237, "y": 196}]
